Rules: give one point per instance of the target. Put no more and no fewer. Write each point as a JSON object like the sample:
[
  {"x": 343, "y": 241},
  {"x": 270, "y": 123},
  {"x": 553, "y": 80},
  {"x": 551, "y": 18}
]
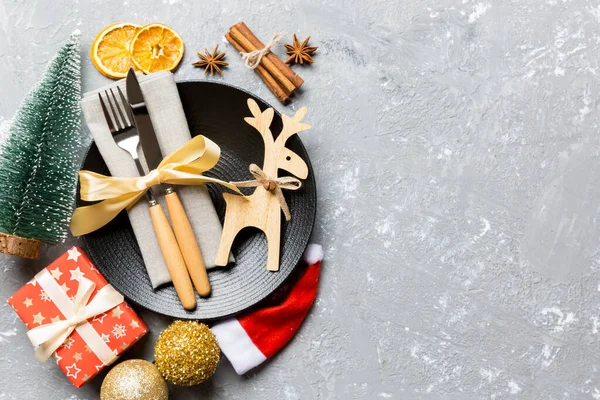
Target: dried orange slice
[
  {"x": 156, "y": 47},
  {"x": 111, "y": 49}
]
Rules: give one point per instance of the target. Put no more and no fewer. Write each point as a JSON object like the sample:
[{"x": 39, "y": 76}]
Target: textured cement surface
[{"x": 456, "y": 146}]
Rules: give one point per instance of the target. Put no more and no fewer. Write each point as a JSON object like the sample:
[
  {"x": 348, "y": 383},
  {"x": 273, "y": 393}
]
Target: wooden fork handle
[
  {"x": 173, "y": 258},
  {"x": 188, "y": 244}
]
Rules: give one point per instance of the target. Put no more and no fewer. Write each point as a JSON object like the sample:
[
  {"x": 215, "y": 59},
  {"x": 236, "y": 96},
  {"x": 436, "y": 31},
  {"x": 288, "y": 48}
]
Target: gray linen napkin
[{"x": 170, "y": 125}]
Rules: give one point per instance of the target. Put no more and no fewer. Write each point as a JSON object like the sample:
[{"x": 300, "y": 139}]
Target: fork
[{"x": 127, "y": 138}]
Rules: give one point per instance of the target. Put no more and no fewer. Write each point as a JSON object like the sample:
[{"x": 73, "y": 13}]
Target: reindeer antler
[
  {"x": 261, "y": 121},
  {"x": 291, "y": 126}
]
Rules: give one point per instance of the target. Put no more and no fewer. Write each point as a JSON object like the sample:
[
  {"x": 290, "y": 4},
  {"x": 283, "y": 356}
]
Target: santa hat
[{"x": 250, "y": 339}]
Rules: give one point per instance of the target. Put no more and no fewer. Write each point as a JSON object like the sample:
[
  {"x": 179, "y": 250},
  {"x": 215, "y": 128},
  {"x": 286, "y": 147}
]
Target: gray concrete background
[{"x": 456, "y": 146}]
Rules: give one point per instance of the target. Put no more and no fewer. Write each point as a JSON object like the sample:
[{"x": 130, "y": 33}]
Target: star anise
[
  {"x": 300, "y": 53},
  {"x": 211, "y": 62}
]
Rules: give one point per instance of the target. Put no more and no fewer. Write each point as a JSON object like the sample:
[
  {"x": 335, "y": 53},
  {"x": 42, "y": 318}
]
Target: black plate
[{"x": 217, "y": 111}]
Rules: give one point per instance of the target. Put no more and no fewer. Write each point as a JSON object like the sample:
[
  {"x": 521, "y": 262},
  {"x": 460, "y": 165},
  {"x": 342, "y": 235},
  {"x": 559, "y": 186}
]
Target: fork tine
[
  {"x": 119, "y": 109},
  {"x": 111, "y": 127},
  {"x": 127, "y": 106},
  {"x": 114, "y": 113}
]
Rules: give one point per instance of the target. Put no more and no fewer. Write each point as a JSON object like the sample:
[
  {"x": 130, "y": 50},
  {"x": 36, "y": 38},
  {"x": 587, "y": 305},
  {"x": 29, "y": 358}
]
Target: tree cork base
[{"x": 18, "y": 246}]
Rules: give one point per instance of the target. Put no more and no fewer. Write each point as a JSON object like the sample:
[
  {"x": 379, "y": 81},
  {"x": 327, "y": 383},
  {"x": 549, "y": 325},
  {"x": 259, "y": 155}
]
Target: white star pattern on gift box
[
  {"x": 99, "y": 367},
  {"x": 77, "y": 356},
  {"x": 28, "y": 302},
  {"x": 44, "y": 296},
  {"x": 57, "y": 358},
  {"x": 118, "y": 331},
  {"x": 117, "y": 312},
  {"x": 73, "y": 254},
  {"x": 134, "y": 324},
  {"x": 32, "y": 282},
  {"x": 99, "y": 318},
  {"x": 64, "y": 287},
  {"x": 76, "y": 274},
  {"x": 68, "y": 342},
  {"x": 106, "y": 338},
  {"x": 72, "y": 370},
  {"x": 56, "y": 274},
  {"x": 38, "y": 318},
  {"x": 55, "y": 319}
]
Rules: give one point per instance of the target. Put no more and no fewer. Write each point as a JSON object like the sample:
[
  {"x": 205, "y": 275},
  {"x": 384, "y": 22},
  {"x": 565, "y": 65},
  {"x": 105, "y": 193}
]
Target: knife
[{"x": 181, "y": 224}]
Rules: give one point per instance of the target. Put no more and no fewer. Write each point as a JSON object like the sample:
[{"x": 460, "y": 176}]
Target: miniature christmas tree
[{"x": 40, "y": 157}]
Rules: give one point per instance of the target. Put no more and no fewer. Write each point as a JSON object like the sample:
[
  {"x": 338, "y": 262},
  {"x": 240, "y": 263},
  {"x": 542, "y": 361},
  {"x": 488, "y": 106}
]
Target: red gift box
[{"x": 113, "y": 331}]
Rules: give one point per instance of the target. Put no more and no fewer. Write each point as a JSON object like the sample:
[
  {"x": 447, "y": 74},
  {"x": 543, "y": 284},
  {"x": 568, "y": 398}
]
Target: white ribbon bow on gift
[{"x": 50, "y": 337}]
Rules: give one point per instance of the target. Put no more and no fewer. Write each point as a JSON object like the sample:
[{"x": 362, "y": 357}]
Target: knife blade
[
  {"x": 181, "y": 225},
  {"x": 143, "y": 122}
]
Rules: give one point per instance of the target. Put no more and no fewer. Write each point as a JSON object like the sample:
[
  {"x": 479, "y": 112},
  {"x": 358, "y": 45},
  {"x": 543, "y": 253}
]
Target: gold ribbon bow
[
  {"x": 182, "y": 167},
  {"x": 273, "y": 185},
  {"x": 50, "y": 337}
]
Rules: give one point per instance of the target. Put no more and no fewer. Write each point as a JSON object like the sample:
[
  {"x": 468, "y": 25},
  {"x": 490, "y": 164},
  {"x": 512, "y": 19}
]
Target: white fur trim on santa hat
[
  {"x": 313, "y": 253},
  {"x": 237, "y": 346}
]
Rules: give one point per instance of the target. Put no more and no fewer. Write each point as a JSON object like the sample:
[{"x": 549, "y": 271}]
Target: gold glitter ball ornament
[
  {"x": 134, "y": 380},
  {"x": 187, "y": 353}
]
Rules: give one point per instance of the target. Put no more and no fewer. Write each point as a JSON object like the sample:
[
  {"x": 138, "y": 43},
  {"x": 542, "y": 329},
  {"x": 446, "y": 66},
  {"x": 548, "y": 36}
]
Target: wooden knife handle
[
  {"x": 173, "y": 258},
  {"x": 188, "y": 244}
]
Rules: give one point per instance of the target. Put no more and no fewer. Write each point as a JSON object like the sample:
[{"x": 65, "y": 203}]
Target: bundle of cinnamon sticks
[{"x": 278, "y": 77}]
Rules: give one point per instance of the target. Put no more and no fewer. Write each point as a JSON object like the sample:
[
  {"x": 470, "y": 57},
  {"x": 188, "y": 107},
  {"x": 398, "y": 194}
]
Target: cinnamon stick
[
  {"x": 284, "y": 82},
  {"x": 283, "y": 67},
  {"x": 264, "y": 74}
]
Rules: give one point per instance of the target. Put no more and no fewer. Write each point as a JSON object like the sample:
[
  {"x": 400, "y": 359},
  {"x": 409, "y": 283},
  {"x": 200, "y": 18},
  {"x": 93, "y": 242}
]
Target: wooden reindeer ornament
[{"x": 263, "y": 208}]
